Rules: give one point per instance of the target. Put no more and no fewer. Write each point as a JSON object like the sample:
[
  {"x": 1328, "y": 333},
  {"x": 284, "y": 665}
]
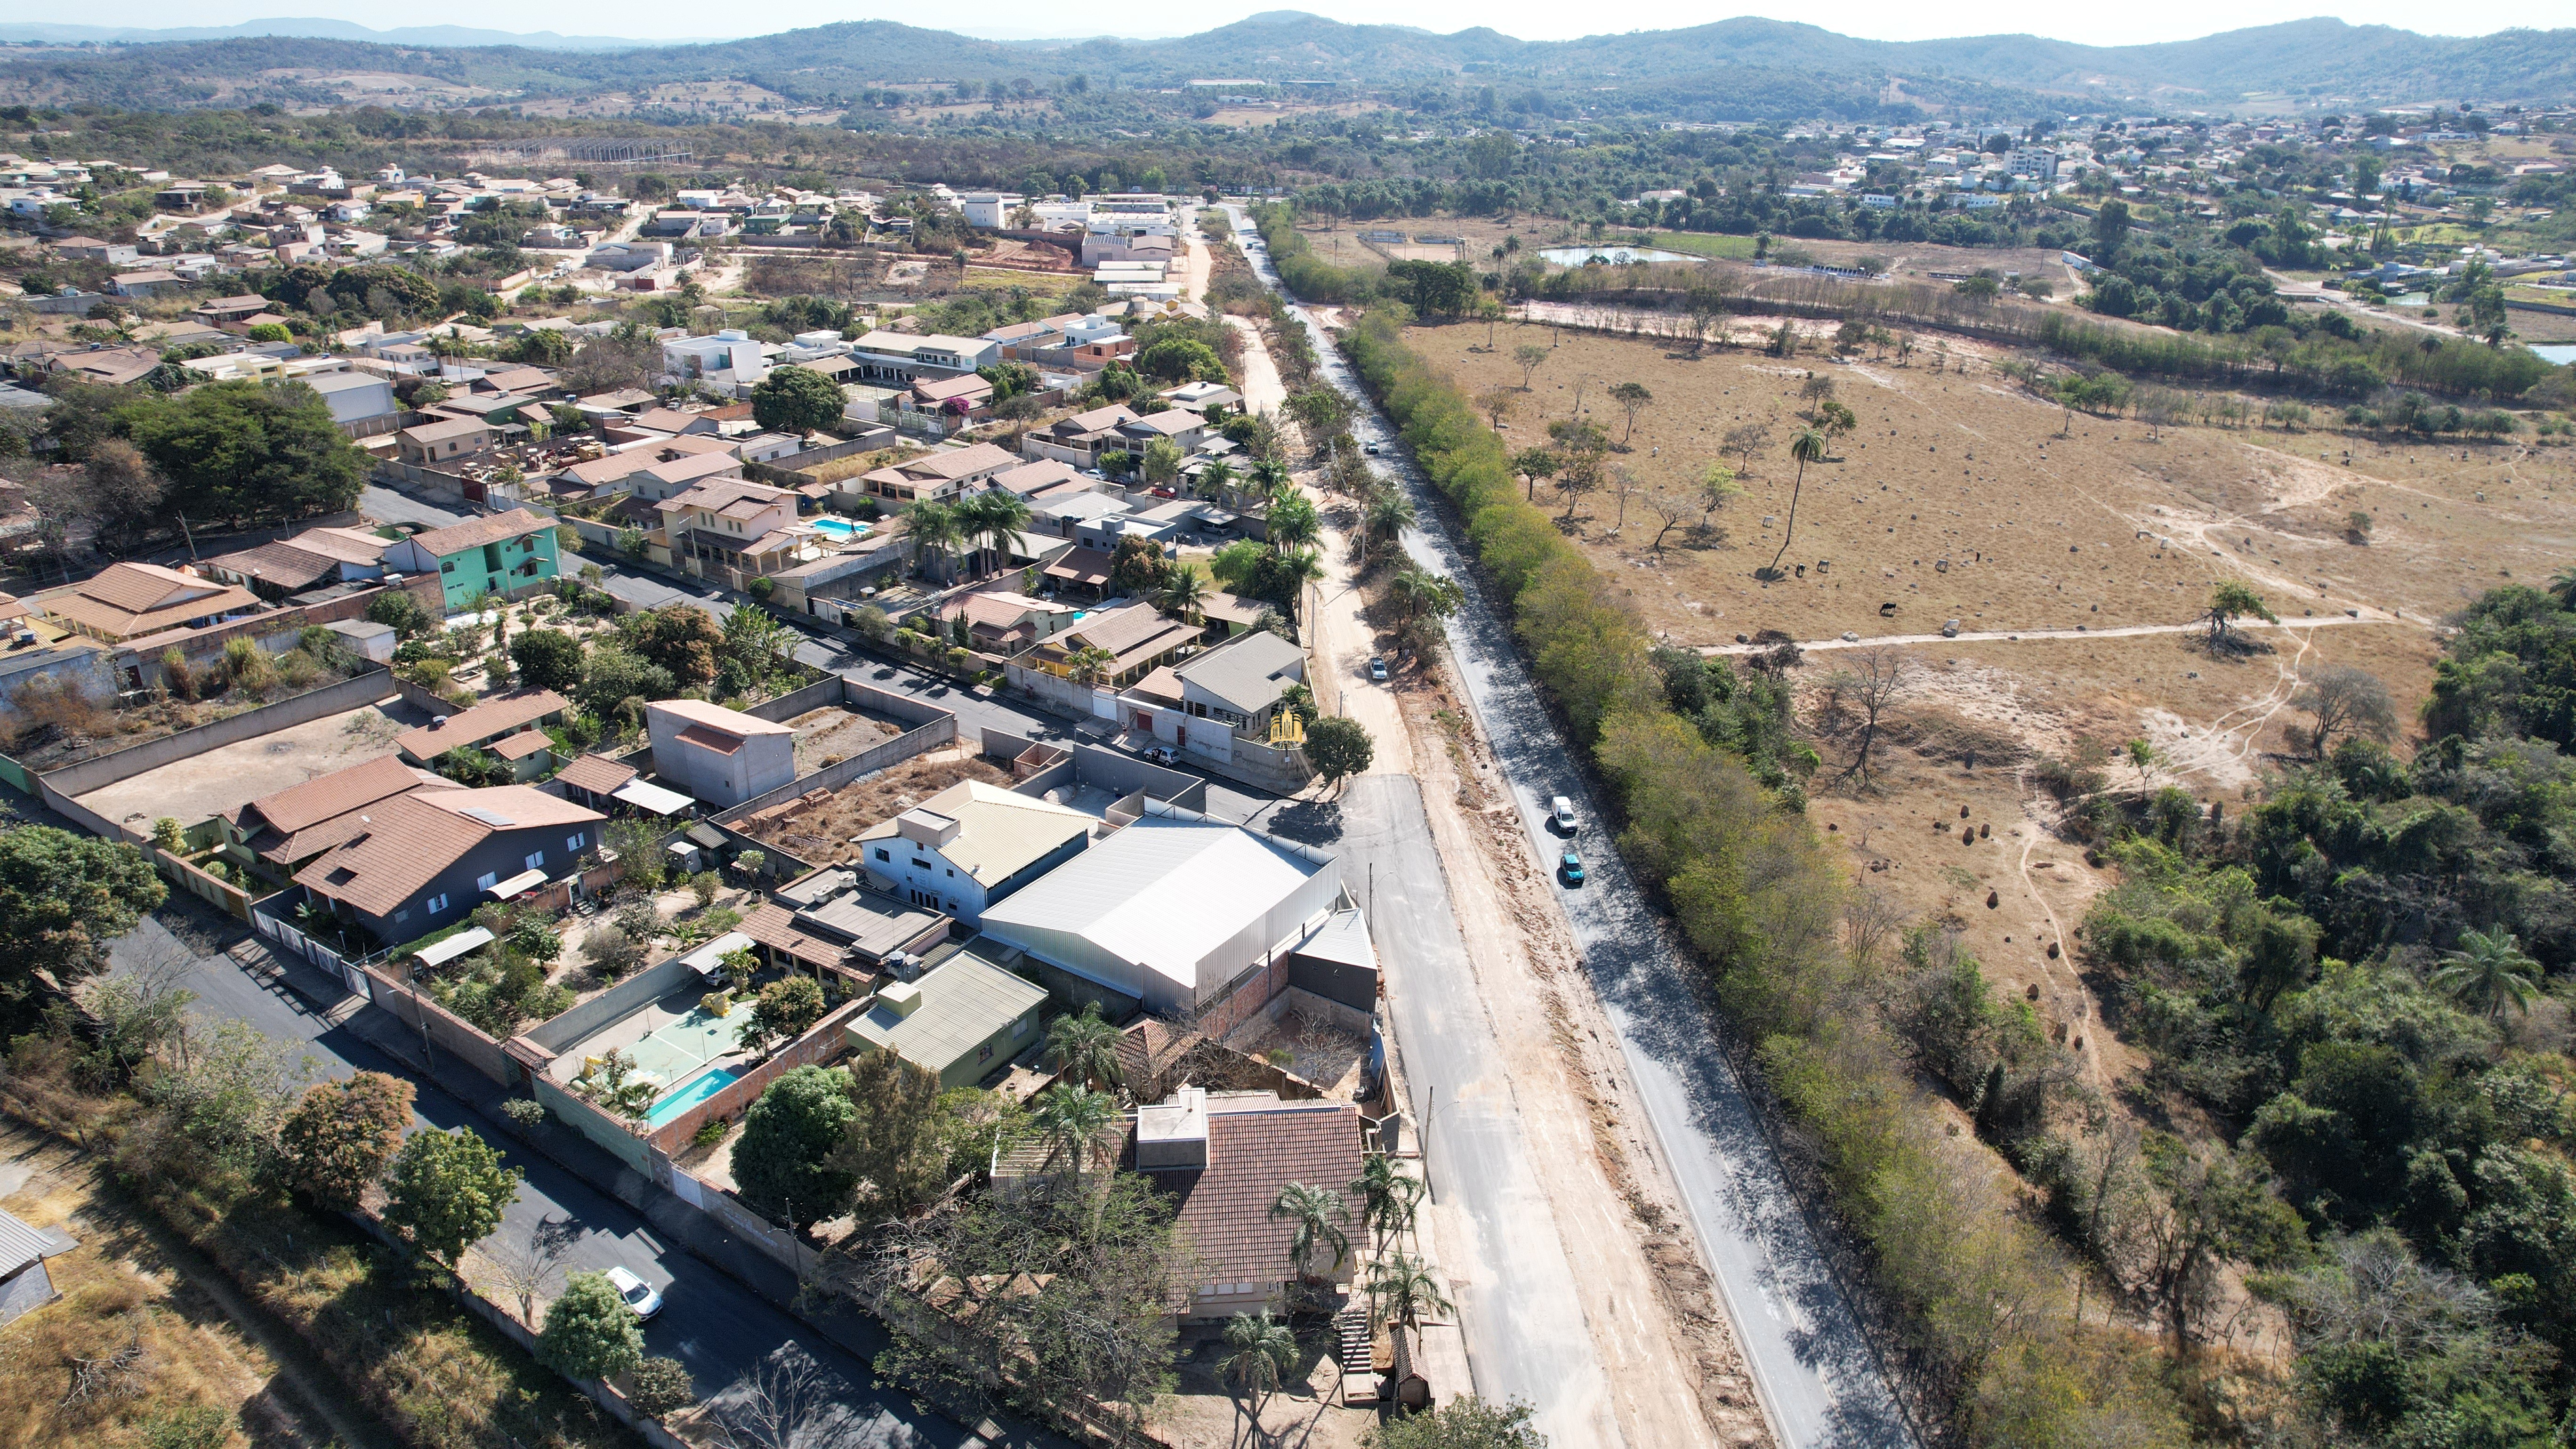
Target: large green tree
[
  {"x": 250, "y": 450},
  {"x": 785, "y": 1162},
  {"x": 63, "y": 898},
  {"x": 590, "y": 1333},
  {"x": 548, "y": 659},
  {"x": 798, "y": 400},
  {"x": 447, "y": 1190},
  {"x": 342, "y": 1134}
]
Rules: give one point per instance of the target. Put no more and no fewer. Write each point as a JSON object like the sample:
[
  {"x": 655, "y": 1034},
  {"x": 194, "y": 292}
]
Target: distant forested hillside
[{"x": 1750, "y": 68}]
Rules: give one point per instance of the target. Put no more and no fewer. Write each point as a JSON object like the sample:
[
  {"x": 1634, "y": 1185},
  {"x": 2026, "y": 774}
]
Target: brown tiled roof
[
  {"x": 773, "y": 926},
  {"x": 475, "y": 532},
  {"x": 337, "y": 793},
  {"x": 348, "y": 545},
  {"x": 708, "y": 738},
  {"x": 667, "y": 420},
  {"x": 303, "y": 820},
  {"x": 143, "y": 588},
  {"x": 489, "y": 720},
  {"x": 596, "y": 773},
  {"x": 1223, "y": 1210},
  {"x": 130, "y": 600},
  {"x": 1082, "y": 566},
  {"x": 954, "y": 463},
  {"x": 281, "y": 564},
  {"x": 411, "y": 839},
  {"x": 691, "y": 466},
  {"x": 1143, "y": 1051},
  {"x": 521, "y": 745}
]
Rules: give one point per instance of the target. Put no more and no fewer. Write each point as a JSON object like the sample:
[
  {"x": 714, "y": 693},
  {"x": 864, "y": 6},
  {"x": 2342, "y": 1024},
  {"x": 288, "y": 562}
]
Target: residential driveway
[
  {"x": 719, "y": 1329},
  {"x": 1816, "y": 1368}
]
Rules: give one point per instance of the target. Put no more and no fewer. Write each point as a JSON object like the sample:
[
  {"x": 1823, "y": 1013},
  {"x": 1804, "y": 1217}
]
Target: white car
[
  {"x": 1560, "y": 813},
  {"x": 639, "y": 1295}
]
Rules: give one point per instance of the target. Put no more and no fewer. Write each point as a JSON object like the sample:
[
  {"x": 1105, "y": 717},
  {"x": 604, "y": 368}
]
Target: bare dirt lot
[
  {"x": 819, "y": 830},
  {"x": 1958, "y": 495},
  {"x": 835, "y": 732},
  {"x": 192, "y": 790}
]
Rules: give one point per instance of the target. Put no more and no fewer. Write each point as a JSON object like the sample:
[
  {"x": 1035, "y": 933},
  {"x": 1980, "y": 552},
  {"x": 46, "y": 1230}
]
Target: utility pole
[{"x": 190, "y": 535}]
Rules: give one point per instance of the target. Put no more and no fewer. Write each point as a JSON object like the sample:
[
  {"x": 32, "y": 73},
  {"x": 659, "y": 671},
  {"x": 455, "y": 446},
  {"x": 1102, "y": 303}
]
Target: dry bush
[{"x": 45, "y": 710}]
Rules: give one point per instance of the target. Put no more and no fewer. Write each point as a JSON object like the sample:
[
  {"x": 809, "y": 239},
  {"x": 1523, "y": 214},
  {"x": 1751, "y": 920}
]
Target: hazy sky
[{"x": 1528, "y": 19}]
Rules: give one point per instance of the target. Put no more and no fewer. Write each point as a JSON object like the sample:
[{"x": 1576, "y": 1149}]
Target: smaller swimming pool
[
  {"x": 840, "y": 528},
  {"x": 689, "y": 1094}
]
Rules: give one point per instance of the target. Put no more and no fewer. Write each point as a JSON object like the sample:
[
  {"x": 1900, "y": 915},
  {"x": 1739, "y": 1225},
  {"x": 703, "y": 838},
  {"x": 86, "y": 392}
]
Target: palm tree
[
  {"x": 1183, "y": 595},
  {"x": 1263, "y": 1349},
  {"x": 1214, "y": 479},
  {"x": 1386, "y": 1196},
  {"x": 1297, "y": 568},
  {"x": 1807, "y": 446},
  {"x": 933, "y": 527},
  {"x": 2562, "y": 586},
  {"x": 1090, "y": 665},
  {"x": 1271, "y": 479},
  {"x": 1406, "y": 1289},
  {"x": 1071, "y": 1118},
  {"x": 992, "y": 520},
  {"x": 1385, "y": 519},
  {"x": 2488, "y": 974},
  {"x": 1083, "y": 1048},
  {"x": 1293, "y": 523},
  {"x": 1313, "y": 1212}
]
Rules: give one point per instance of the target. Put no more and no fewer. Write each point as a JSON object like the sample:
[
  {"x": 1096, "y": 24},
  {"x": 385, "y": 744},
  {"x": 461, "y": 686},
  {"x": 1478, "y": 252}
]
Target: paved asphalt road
[
  {"x": 1818, "y": 1376},
  {"x": 710, "y": 1323},
  {"x": 384, "y": 505}
]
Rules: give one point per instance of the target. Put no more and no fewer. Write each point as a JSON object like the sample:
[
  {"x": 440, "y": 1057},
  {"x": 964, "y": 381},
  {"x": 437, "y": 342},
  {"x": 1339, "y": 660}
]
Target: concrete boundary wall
[
  {"x": 654, "y": 982},
  {"x": 443, "y": 1029},
  {"x": 313, "y": 704},
  {"x": 902, "y": 747}
]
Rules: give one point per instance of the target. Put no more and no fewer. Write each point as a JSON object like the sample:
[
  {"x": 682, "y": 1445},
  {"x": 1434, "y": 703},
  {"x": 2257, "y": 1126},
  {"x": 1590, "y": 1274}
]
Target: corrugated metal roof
[
  {"x": 964, "y": 999},
  {"x": 21, "y": 1244},
  {"x": 1162, "y": 893}
]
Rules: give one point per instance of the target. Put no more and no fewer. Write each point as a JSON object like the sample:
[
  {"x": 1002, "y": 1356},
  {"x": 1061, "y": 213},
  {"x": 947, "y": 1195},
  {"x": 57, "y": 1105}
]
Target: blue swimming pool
[
  {"x": 689, "y": 1094},
  {"x": 840, "y": 528}
]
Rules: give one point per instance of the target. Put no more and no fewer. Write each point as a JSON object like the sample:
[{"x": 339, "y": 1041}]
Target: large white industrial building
[{"x": 1173, "y": 909}]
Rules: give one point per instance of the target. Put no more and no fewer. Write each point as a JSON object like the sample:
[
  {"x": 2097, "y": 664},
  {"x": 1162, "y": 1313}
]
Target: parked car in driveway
[
  {"x": 1377, "y": 668},
  {"x": 1163, "y": 755},
  {"x": 1560, "y": 816},
  {"x": 639, "y": 1295},
  {"x": 1570, "y": 866}
]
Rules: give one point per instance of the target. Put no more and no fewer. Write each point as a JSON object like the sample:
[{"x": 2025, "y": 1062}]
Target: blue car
[{"x": 1571, "y": 867}]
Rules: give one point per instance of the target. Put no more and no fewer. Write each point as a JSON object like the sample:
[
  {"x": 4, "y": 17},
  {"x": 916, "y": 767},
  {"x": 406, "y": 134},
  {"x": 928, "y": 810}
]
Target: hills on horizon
[
  {"x": 1767, "y": 68},
  {"x": 324, "y": 28}
]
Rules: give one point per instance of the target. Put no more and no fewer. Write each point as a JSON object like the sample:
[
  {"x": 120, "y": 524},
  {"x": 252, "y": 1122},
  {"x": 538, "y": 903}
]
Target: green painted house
[{"x": 503, "y": 553}]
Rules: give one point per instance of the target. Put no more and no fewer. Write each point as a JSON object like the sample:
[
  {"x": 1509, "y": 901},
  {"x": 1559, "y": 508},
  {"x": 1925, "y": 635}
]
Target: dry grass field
[
  {"x": 1959, "y": 495},
  {"x": 819, "y": 830},
  {"x": 127, "y": 1289}
]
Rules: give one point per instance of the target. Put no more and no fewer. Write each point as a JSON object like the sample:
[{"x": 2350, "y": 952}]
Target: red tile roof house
[
  {"x": 1222, "y": 1158},
  {"x": 279, "y": 833},
  {"x": 424, "y": 860},
  {"x": 494, "y": 719}
]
